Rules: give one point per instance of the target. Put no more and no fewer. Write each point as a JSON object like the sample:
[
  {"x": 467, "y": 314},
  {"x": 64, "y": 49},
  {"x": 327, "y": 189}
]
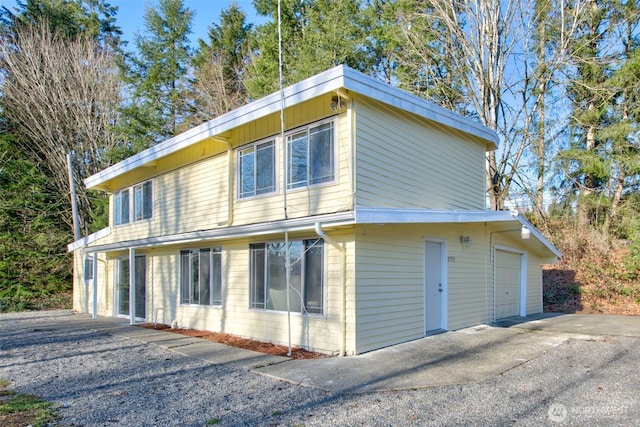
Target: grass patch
[{"x": 23, "y": 409}]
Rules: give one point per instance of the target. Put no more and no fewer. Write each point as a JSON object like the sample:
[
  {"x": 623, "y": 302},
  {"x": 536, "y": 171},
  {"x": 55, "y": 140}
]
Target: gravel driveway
[{"x": 97, "y": 379}]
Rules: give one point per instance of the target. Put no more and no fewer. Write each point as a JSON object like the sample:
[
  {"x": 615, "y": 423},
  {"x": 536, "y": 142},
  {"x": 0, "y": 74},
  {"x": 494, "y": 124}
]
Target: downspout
[{"x": 343, "y": 277}]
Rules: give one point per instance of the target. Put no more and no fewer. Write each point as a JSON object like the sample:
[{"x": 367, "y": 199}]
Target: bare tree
[
  {"x": 481, "y": 53},
  {"x": 61, "y": 96},
  {"x": 211, "y": 92}
]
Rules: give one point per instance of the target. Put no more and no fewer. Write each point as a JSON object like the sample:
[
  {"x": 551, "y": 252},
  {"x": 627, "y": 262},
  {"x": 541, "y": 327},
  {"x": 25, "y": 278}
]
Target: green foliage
[
  {"x": 632, "y": 261},
  {"x": 24, "y": 408},
  {"x": 33, "y": 237},
  {"x": 71, "y": 18},
  {"x": 317, "y": 35},
  {"x": 157, "y": 76}
]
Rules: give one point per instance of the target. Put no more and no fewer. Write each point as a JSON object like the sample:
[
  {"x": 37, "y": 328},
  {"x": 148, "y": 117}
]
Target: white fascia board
[
  {"x": 91, "y": 238},
  {"x": 427, "y": 216},
  {"x": 328, "y": 81},
  {"x": 536, "y": 233},
  {"x": 241, "y": 231},
  {"x": 307, "y": 89}
]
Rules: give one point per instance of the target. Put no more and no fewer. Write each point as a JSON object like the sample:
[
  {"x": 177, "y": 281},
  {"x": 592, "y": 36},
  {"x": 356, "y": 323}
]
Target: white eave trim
[
  {"x": 275, "y": 227},
  {"x": 328, "y": 81},
  {"x": 91, "y": 238},
  {"x": 428, "y": 216}
]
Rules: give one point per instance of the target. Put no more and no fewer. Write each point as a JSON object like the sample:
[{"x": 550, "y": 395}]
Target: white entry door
[
  {"x": 122, "y": 287},
  {"x": 508, "y": 284},
  {"x": 434, "y": 286}
]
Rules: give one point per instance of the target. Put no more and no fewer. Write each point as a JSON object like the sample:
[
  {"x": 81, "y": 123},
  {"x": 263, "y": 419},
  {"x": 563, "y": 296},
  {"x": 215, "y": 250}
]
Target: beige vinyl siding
[
  {"x": 389, "y": 294},
  {"x": 534, "y": 284},
  {"x": 390, "y": 277},
  {"x": 323, "y": 333},
  {"x": 83, "y": 291},
  {"x": 196, "y": 196},
  {"x": 191, "y": 198},
  {"x": 329, "y": 197},
  {"x": 403, "y": 161}
]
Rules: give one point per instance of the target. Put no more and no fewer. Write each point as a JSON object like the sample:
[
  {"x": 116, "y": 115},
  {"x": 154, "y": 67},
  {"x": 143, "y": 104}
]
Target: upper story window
[
  {"x": 142, "y": 203},
  {"x": 311, "y": 156},
  {"x": 121, "y": 208},
  {"x": 257, "y": 169}
]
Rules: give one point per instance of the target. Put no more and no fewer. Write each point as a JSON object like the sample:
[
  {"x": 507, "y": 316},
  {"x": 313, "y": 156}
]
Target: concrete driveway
[{"x": 463, "y": 356}]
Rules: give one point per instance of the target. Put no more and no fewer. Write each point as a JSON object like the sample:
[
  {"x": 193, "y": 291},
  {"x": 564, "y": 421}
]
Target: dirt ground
[{"x": 234, "y": 341}]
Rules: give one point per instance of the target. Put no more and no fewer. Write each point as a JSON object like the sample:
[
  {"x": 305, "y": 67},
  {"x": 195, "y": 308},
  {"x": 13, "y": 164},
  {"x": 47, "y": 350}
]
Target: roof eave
[{"x": 328, "y": 81}]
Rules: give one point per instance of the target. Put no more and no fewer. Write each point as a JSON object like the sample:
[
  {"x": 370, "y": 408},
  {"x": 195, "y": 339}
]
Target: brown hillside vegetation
[{"x": 591, "y": 277}]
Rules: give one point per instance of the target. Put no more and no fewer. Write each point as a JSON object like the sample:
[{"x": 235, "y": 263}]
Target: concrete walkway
[{"x": 463, "y": 356}]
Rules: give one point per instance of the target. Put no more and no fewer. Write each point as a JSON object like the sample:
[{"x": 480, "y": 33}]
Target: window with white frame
[
  {"x": 311, "y": 156},
  {"x": 201, "y": 276},
  {"x": 88, "y": 267},
  {"x": 257, "y": 169},
  {"x": 142, "y": 201},
  {"x": 121, "y": 207},
  {"x": 268, "y": 281}
]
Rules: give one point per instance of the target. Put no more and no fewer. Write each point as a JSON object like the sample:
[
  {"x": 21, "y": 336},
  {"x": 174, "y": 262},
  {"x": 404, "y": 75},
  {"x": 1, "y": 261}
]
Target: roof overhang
[
  {"x": 429, "y": 216},
  {"x": 358, "y": 216},
  {"x": 340, "y": 77}
]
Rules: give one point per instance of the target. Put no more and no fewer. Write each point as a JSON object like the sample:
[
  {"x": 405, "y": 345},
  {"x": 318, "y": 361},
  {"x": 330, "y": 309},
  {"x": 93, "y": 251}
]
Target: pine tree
[
  {"x": 158, "y": 76},
  {"x": 316, "y": 35},
  {"x": 219, "y": 66}
]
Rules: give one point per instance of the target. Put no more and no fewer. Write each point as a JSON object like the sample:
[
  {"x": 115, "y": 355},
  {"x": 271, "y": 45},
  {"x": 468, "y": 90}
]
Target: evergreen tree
[
  {"x": 158, "y": 76},
  {"x": 316, "y": 35},
  {"x": 68, "y": 18},
  {"x": 219, "y": 66}
]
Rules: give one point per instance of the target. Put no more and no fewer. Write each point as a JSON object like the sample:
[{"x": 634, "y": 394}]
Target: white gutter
[{"x": 343, "y": 273}]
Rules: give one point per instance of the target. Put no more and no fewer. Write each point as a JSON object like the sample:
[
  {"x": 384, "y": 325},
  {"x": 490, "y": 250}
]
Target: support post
[
  {"x": 94, "y": 260},
  {"x": 132, "y": 286}
]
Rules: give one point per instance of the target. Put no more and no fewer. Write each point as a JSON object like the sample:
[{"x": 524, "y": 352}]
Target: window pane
[
  {"x": 121, "y": 209},
  {"x": 137, "y": 202},
  {"x": 205, "y": 277},
  {"x": 195, "y": 273},
  {"x": 314, "y": 268},
  {"x": 216, "y": 277},
  {"x": 257, "y": 276},
  {"x": 297, "y": 159},
  {"x": 321, "y": 154},
  {"x": 141, "y": 285},
  {"x": 147, "y": 207},
  {"x": 265, "y": 168},
  {"x": 247, "y": 173},
  {"x": 295, "y": 276},
  {"x": 185, "y": 276},
  {"x": 123, "y": 286},
  {"x": 88, "y": 268},
  {"x": 276, "y": 276}
]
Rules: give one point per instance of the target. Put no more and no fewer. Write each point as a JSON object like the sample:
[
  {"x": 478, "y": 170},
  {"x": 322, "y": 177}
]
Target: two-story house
[{"x": 377, "y": 198}]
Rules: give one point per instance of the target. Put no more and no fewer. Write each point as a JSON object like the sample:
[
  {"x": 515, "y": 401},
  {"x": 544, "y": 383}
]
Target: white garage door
[{"x": 507, "y": 284}]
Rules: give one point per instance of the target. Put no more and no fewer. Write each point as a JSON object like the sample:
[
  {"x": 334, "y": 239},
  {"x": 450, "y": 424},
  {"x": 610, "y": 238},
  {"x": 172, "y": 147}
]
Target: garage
[{"x": 508, "y": 285}]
